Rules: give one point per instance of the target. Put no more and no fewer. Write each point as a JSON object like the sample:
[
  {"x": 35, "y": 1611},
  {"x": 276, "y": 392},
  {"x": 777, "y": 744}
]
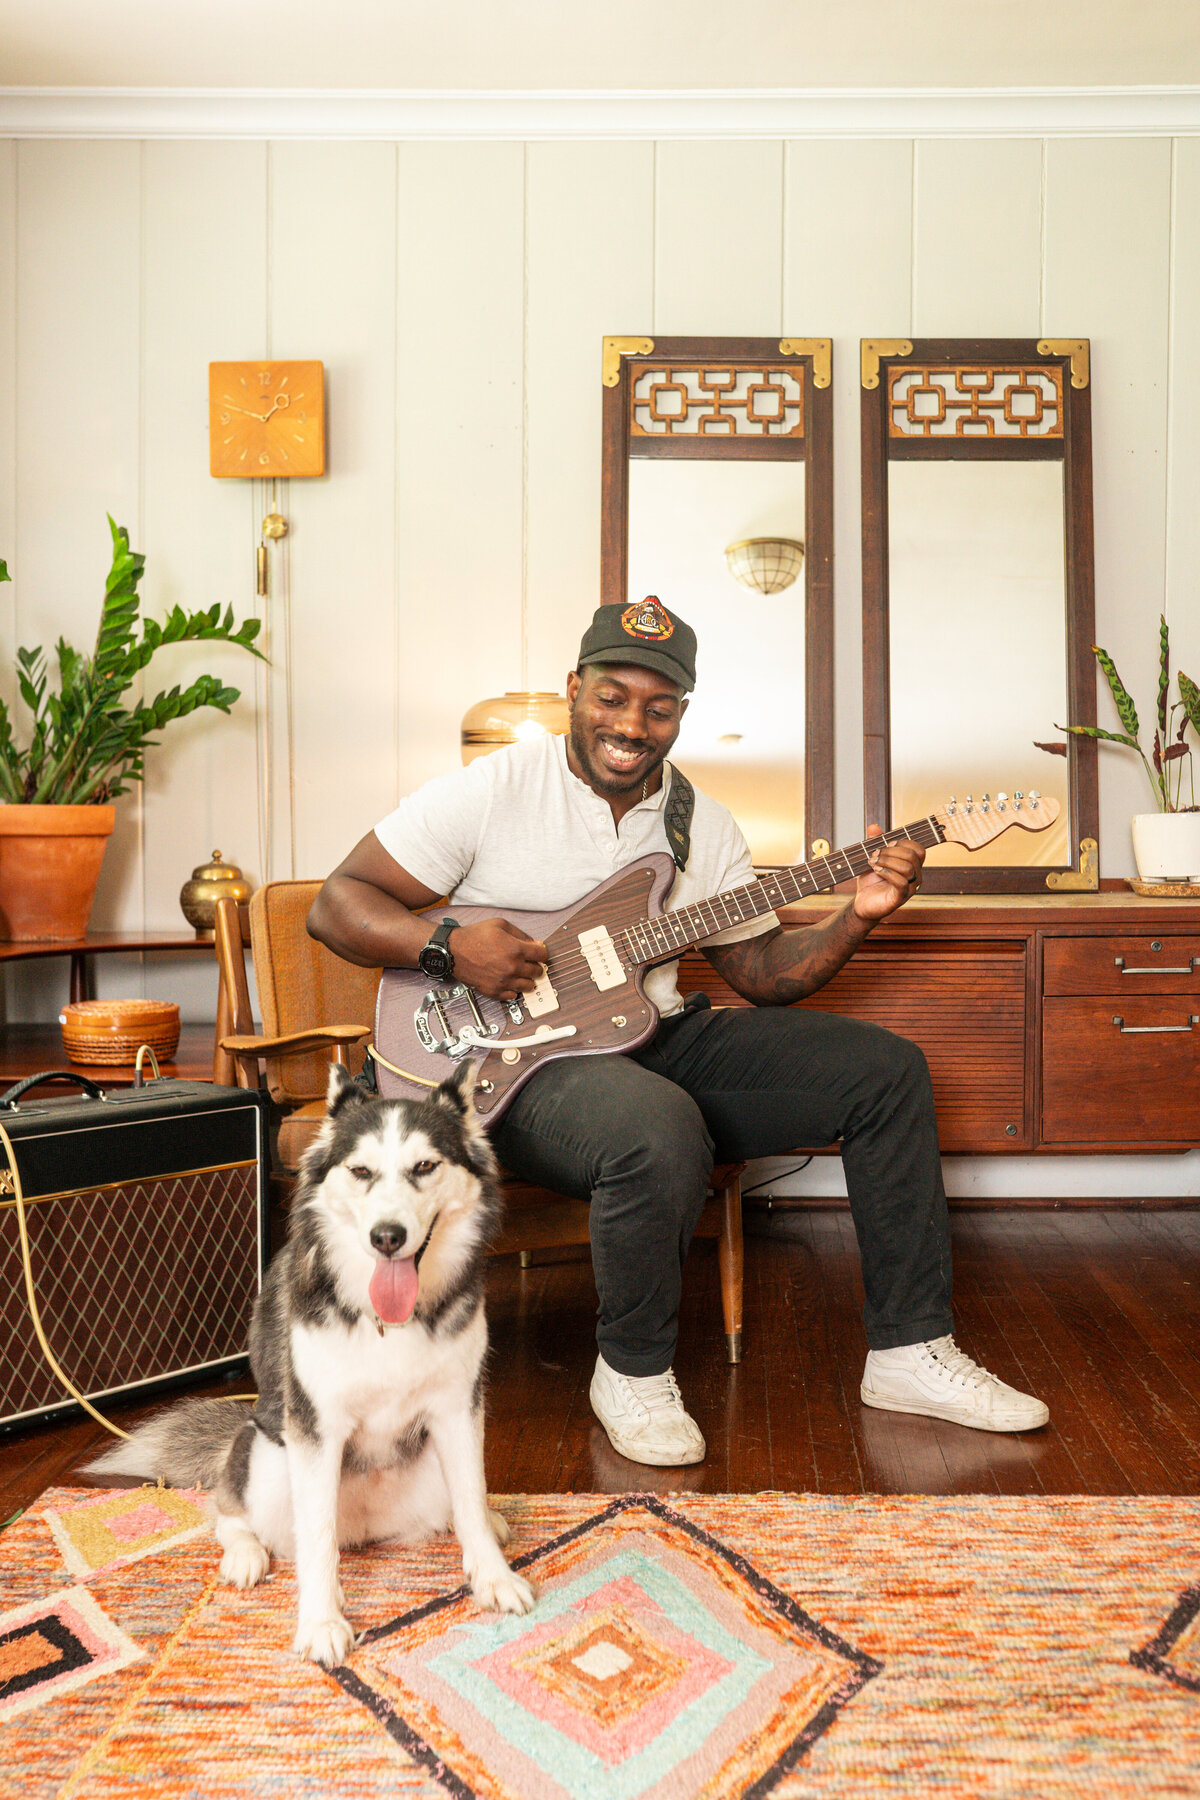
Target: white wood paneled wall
[{"x": 457, "y": 294}]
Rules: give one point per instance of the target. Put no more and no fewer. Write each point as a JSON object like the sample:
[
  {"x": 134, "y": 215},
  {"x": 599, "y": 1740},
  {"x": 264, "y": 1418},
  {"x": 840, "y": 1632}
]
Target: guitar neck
[{"x": 656, "y": 940}]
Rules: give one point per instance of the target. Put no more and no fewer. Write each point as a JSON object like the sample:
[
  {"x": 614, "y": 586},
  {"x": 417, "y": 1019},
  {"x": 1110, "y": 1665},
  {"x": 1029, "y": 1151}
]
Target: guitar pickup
[
  {"x": 602, "y": 959},
  {"x": 540, "y": 999}
]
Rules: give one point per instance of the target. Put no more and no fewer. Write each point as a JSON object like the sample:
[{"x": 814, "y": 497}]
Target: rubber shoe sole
[{"x": 930, "y": 1410}]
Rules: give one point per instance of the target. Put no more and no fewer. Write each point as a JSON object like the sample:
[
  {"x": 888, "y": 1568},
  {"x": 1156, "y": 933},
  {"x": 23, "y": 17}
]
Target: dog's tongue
[{"x": 393, "y": 1289}]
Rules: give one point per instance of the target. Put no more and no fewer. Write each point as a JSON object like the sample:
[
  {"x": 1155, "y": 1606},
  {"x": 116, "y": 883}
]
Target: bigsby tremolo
[{"x": 433, "y": 1026}]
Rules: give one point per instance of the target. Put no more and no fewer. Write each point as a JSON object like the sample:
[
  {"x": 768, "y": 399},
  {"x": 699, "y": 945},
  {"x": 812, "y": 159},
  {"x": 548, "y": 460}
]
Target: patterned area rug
[{"x": 707, "y": 1647}]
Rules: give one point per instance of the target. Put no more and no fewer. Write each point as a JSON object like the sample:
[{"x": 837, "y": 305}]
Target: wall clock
[{"x": 266, "y": 419}]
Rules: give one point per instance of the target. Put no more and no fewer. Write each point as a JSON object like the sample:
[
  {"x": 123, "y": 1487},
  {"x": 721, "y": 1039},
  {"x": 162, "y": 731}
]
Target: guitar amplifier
[{"x": 146, "y": 1212}]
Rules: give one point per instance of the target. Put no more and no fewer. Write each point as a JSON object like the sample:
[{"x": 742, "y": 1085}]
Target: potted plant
[
  {"x": 1166, "y": 842},
  {"x": 85, "y": 747}
]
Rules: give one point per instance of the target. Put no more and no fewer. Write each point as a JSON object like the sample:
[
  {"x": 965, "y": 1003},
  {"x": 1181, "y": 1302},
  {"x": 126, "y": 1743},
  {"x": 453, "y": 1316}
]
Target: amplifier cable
[{"x": 31, "y": 1297}]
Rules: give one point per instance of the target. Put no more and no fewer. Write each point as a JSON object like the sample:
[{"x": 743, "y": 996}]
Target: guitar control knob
[
  {"x": 1002, "y": 795},
  {"x": 1018, "y": 793}
]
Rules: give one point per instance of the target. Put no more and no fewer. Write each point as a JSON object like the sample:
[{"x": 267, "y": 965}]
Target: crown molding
[{"x": 751, "y": 113}]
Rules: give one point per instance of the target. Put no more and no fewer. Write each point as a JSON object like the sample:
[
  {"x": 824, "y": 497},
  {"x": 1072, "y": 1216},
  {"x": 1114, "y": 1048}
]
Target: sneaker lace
[
  {"x": 652, "y": 1394},
  {"x": 957, "y": 1364}
]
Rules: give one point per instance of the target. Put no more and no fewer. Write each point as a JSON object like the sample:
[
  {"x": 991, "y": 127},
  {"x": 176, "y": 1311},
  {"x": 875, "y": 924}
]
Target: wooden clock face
[{"x": 266, "y": 418}]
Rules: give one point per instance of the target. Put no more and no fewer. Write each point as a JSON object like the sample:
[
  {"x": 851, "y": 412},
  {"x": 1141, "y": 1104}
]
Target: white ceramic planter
[{"x": 1166, "y": 846}]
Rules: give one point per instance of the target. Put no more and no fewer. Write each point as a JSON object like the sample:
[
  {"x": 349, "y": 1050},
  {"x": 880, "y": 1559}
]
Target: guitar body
[
  {"x": 590, "y": 1000},
  {"x": 411, "y": 1036}
]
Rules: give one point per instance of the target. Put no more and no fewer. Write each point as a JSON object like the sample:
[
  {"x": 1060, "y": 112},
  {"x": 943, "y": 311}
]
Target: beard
[{"x": 597, "y": 773}]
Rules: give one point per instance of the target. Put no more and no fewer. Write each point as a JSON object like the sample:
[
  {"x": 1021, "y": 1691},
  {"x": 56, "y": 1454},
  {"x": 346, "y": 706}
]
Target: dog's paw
[
  {"x": 500, "y": 1527},
  {"x": 504, "y": 1592},
  {"x": 244, "y": 1563},
  {"x": 324, "y": 1641}
]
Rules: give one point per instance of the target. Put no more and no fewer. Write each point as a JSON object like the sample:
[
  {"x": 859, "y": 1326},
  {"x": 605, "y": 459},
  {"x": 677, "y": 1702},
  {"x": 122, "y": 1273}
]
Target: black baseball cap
[{"x": 646, "y": 634}]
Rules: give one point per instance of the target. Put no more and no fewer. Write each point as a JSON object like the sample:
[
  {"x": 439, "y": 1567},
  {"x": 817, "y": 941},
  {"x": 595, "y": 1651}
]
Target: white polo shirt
[{"x": 517, "y": 830}]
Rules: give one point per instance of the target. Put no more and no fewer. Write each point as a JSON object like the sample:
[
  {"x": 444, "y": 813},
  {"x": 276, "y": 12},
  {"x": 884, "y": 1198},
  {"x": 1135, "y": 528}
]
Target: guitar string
[
  {"x": 571, "y": 973},
  {"x": 569, "y": 970}
]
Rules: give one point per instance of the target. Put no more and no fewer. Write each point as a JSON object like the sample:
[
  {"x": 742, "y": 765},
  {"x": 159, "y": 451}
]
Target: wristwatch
[{"x": 435, "y": 958}]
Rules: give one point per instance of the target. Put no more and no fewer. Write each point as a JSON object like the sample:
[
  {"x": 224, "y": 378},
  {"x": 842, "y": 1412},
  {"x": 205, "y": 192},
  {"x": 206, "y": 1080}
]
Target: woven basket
[{"x": 112, "y": 1031}]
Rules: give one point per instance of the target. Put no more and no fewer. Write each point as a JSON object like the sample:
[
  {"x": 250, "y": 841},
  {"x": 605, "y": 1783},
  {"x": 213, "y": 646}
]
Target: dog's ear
[
  {"x": 455, "y": 1093},
  {"x": 342, "y": 1091},
  {"x": 456, "y": 1096}
]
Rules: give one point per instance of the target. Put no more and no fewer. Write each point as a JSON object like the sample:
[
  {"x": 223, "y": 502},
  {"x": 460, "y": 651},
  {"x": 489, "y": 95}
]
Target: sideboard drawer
[
  {"x": 1147, "y": 964},
  {"x": 1124, "y": 1072}
]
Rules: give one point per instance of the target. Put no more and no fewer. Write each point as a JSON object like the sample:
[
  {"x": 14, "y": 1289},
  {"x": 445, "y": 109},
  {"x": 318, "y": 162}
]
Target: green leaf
[
  {"x": 1094, "y": 731},
  {"x": 1189, "y": 693},
  {"x": 1164, "y": 671},
  {"x": 1126, "y": 710},
  {"x": 4, "y": 574}
]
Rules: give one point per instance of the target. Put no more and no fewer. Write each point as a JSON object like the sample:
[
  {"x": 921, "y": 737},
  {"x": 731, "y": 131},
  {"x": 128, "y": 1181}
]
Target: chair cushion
[{"x": 297, "y": 1130}]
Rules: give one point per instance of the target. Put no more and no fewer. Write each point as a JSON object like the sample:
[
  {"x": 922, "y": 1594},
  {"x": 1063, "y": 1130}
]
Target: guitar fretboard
[{"x": 655, "y": 940}]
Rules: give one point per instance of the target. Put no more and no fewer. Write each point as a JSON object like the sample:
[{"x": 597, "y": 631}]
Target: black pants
[{"x": 637, "y": 1136}]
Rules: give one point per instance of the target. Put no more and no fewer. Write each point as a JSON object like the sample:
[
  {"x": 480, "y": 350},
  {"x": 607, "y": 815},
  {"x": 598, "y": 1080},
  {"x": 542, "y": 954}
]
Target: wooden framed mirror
[
  {"x": 725, "y": 445},
  {"x": 978, "y": 596}
]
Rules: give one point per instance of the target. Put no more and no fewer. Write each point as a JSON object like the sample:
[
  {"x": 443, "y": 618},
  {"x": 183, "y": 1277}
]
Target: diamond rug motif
[
  {"x": 716, "y": 1647},
  {"x": 656, "y": 1662}
]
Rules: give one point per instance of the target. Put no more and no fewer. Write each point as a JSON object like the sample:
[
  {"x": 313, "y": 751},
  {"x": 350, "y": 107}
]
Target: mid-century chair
[{"x": 305, "y": 993}]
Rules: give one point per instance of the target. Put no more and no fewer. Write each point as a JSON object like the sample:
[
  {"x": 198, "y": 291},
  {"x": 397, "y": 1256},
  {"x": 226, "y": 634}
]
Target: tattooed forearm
[{"x": 782, "y": 966}]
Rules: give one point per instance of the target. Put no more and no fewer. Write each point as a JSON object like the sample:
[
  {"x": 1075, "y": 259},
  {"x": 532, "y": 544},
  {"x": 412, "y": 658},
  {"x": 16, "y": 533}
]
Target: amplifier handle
[{"x": 10, "y": 1098}]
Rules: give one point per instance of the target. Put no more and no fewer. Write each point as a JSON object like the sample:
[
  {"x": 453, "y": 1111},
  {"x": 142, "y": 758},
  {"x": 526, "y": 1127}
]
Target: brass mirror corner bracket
[
  {"x": 617, "y": 347},
  {"x": 1084, "y": 879},
  {"x": 821, "y": 351},
  {"x": 873, "y": 349},
  {"x": 821, "y": 846},
  {"x": 1079, "y": 351}
]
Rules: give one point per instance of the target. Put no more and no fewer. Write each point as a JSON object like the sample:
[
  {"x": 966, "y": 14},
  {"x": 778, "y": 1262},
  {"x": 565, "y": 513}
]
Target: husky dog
[{"x": 367, "y": 1344}]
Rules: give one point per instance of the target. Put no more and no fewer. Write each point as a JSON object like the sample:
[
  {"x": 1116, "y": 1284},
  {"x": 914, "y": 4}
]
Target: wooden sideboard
[{"x": 1051, "y": 1024}]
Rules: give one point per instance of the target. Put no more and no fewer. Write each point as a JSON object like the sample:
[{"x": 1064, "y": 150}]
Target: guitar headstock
[{"x": 976, "y": 822}]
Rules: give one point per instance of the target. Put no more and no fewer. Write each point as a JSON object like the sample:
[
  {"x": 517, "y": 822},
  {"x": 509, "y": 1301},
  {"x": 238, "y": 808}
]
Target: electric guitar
[{"x": 589, "y": 999}]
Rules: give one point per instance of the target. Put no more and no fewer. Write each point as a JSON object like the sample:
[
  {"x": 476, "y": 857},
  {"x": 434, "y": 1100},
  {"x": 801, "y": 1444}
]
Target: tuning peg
[
  {"x": 1035, "y": 794},
  {"x": 1002, "y": 795}
]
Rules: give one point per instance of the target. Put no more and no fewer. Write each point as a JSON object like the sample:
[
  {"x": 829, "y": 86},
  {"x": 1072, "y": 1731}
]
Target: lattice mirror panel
[
  {"x": 977, "y": 595},
  {"x": 974, "y": 400},
  {"x": 730, "y": 402},
  {"x": 717, "y": 498}
]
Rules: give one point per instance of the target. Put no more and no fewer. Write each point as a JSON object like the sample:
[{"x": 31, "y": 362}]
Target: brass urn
[{"x": 212, "y": 881}]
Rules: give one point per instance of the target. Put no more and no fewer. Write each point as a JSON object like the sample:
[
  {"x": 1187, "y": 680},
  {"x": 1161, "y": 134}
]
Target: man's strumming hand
[
  {"x": 497, "y": 958},
  {"x": 894, "y": 878}
]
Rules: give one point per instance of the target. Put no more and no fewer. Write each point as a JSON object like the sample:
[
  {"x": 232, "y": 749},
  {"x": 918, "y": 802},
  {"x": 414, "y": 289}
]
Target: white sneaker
[
  {"x": 645, "y": 1418},
  {"x": 940, "y": 1381}
]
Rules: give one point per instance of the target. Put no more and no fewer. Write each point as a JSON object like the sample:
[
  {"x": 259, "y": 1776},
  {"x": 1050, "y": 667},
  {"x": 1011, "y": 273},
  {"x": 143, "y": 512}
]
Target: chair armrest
[{"x": 321, "y": 1037}]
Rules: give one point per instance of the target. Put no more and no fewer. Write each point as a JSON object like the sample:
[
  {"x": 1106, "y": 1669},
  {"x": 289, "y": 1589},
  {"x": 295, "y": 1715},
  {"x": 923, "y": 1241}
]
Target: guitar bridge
[{"x": 436, "y": 1021}]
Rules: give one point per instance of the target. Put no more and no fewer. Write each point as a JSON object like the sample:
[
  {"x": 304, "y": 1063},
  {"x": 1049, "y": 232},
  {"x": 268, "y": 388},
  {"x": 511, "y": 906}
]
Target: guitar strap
[{"x": 681, "y": 804}]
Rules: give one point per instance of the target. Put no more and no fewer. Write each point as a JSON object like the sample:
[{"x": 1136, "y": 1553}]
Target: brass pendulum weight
[{"x": 273, "y": 526}]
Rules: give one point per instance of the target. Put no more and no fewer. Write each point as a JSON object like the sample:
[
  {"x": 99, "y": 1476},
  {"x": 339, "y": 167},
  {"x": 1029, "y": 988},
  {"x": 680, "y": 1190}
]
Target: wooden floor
[{"x": 1095, "y": 1311}]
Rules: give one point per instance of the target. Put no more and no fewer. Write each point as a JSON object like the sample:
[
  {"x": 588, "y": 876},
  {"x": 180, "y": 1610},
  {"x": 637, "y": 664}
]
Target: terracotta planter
[{"x": 50, "y": 860}]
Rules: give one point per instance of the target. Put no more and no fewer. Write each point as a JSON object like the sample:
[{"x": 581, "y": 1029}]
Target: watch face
[
  {"x": 436, "y": 960},
  {"x": 266, "y": 418}
]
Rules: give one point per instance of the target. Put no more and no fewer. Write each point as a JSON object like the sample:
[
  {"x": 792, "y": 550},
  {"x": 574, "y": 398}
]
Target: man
[{"x": 536, "y": 827}]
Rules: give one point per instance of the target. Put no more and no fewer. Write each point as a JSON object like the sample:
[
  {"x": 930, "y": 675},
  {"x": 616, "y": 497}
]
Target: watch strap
[{"x": 442, "y": 935}]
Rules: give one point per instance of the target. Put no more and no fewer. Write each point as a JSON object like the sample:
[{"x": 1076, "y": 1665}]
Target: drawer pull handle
[
  {"x": 1187, "y": 969},
  {"x": 1132, "y": 1030}
]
